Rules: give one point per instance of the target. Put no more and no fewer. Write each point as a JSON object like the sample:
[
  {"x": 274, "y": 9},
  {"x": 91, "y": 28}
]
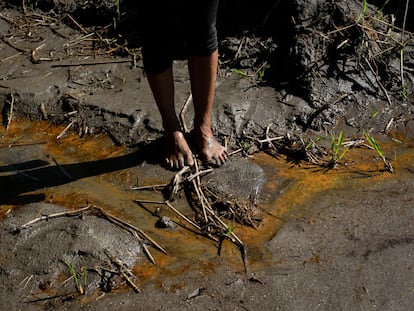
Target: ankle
[{"x": 203, "y": 131}]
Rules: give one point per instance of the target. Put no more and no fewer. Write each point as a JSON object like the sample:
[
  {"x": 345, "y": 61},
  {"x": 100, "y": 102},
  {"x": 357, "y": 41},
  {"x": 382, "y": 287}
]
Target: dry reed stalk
[{"x": 55, "y": 215}]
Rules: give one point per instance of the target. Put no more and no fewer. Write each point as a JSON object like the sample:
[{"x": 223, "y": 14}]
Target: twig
[
  {"x": 268, "y": 140},
  {"x": 236, "y": 56},
  {"x": 219, "y": 220},
  {"x": 10, "y": 116},
  {"x": 61, "y": 168},
  {"x": 55, "y": 215},
  {"x": 65, "y": 130},
  {"x": 43, "y": 110},
  {"x": 182, "y": 113},
  {"x": 402, "y": 48},
  {"x": 148, "y": 187},
  {"x": 76, "y": 23},
  {"x": 124, "y": 272},
  {"x": 378, "y": 81},
  {"x": 404, "y": 20},
  {"x": 389, "y": 124},
  {"x": 10, "y": 57},
  {"x": 177, "y": 180},
  {"x": 197, "y": 188},
  {"x": 148, "y": 253},
  {"x": 91, "y": 63},
  {"x": 198, "y": 174},
  {"x": 26, "y": 280},
  {"x": 235, "y": 151},
  {"x": 7, "y": 19},
  {"x": 182, "y": 215},
  {"x": 13, "y": 144},
  {"x": 78, "y": 40},
  {"x": 128, "y": 225},
  {"x": 13, "y": 46},
  {"x": 270, "y": 13},
  {"x": 148, "y": 201},
  {"x": 201, "y": 199},
  {"x": 26, "y": 175}
]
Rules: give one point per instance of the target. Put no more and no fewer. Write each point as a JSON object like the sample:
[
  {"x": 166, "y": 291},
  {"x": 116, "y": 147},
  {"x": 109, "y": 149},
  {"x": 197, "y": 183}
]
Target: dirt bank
[{"x": 327, "y": 65}]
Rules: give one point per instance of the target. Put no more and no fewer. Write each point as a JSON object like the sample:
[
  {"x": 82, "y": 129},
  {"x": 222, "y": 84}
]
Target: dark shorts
[{"x": 173, "y": 29}]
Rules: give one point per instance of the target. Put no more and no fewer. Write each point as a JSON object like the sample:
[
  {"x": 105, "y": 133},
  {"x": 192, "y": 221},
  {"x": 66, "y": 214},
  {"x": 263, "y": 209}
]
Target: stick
[
  {"x": 218, "y": 219},
  {"x": 77, "y": 24},
  {"x": 182, "y": 215},
  {"x": 148, "y": 253},
  {"x": 402, "y": 48},
  {"x": 91, "y": 63},
  {"x": 26, "y": 175},
  {"x": 61, "y": 168},
  {"x": 378, "y": 81},
  {"x": 13, "y": 46},
  {"x": 270, "y": 13},
  {"x": 148, "y": 201},
  {"x": 10, "y": 116},
  {"x": 177, "y": 180},
  {"x": 196, "y": 188},
  {"x": 142, "y": 233},
  {"x": 235, "y": 151},
  {"x": 182, "y": 112},
  {"x": 78, "y": 40},
  {"x": 10, "y": 57},
  {"x": 124, "y": 272},
  {"x": 148, "y": 187},
  {"x": 65, "y": 130},
  {"x": 198, "y": 173},
  {"x": 47, "y": 217},
  {"x": 269, "y": 140},
  {"x": 11, "y": 145},
  {"x": 236, "y": 56}
]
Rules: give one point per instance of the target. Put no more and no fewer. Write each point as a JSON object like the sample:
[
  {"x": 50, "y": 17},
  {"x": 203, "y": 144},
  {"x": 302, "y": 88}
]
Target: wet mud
[
  {"x": 302, "y": 206},
  {"x": 80, "y": 132}
]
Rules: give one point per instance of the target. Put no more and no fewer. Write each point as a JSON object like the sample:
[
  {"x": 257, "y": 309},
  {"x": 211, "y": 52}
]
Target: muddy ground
[{"x": 346, "y": 245}]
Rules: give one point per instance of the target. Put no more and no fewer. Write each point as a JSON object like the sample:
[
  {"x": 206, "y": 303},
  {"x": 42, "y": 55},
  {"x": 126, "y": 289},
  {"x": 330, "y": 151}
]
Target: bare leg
[
  {"x": 203, "y": 71},
  {"x": 178, "y": 152}
]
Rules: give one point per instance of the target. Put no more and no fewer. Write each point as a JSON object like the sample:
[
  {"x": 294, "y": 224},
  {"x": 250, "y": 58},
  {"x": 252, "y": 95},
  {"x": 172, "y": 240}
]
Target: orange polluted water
[{"x": 73, "y": 172}]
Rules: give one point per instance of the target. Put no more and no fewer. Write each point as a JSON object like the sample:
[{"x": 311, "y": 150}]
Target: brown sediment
[{"x": 303, "y": 183}]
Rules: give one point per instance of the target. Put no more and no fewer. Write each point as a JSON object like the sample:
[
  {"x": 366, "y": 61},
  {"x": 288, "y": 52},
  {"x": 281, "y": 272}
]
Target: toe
[{"x": 190, "y": 160}]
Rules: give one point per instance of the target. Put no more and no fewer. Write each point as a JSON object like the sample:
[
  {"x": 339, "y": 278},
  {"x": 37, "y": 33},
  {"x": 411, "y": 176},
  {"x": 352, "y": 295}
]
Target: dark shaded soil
[{"x": 321, "y": 70}]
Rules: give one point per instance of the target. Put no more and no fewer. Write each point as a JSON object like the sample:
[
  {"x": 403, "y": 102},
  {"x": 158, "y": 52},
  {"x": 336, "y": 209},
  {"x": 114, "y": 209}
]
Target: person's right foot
[{"x": 178, "y": 153}]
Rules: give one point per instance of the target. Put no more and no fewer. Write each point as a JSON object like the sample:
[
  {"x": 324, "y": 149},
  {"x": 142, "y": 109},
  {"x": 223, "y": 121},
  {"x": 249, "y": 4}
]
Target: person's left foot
[{"x": 209, "y": 149}]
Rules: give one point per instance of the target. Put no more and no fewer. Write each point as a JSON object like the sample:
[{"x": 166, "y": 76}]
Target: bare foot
[
  {"x": 211, "y": 151},
  {"x": 178, "y": 153}
]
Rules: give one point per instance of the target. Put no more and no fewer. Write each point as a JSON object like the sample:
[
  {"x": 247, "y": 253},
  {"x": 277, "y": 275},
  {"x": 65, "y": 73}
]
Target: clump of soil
[{"x": 92, "y": 253}]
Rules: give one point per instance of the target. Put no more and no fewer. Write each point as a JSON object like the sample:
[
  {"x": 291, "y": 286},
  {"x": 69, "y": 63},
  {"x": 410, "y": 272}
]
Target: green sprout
[
  {"x": 374, "y": 114},
  {"x": 364, "y": 11},
  {"x": 245, "y": 147},
  {"x": 80, "y": 280},
  {"x": 404, "y": 91},
  {"x": 380, "y": 11},
  {"x": 312, "y": 143},
  {"x": 240, "y": 72},
  {"x": 117, "y": 19},
  {"x": 374, "y": 144},
  {"x": 229, "y": 229},
  {"x": 336, "y": 148},
  {"x": 260, "y": 72}
]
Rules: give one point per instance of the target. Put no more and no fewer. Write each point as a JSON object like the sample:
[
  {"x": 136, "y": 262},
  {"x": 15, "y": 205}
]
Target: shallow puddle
[{"x": 36, "y": 166}]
